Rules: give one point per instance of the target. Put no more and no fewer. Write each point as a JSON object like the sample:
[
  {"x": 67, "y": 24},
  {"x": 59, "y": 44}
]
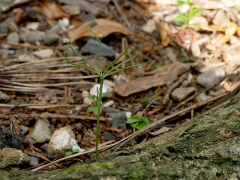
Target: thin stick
[
  {"x": 173, "y": 86},
  {"x": 150, "y": 126},
  {"x": 101, "y": 147},
  {"x": 34, "y": 47},
  {"x": 121, "y": 13}
]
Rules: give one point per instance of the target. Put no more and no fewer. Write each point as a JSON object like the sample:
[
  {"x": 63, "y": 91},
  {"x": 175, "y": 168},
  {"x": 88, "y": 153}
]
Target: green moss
[{"x": 105, "y": 165}]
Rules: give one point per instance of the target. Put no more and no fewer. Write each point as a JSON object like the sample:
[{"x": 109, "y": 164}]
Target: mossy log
[{"x": 206, "y": 147}]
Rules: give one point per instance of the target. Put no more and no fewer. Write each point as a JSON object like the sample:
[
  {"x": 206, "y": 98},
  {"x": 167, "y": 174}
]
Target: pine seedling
[{"x": 102, "y": 75}]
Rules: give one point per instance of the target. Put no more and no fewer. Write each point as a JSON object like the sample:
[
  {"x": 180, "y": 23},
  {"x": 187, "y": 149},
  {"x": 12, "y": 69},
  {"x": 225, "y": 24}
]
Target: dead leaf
[
  {"x": 100, "y": 27},
  {"x": 160, "y": 131},
  {"x": 54, "y": 11},
  {"x": 230, "y": 31},
  {"x": 163, "y": 29},
  {"x": 164, "y": 75}
]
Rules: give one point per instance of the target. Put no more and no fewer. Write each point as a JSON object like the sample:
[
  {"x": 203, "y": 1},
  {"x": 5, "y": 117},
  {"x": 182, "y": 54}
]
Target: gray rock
[
  {"x": 93, "y": 47},
  {"x": 109, "y": 137},
  {"x": 33, "y": 161},
  {"x": 12, "y": 157},
  {"x": 118, "y": 120},
  {"x": 13, "y": 37},
  {"x": 202, "y": 97},
  {"x": 180, "y": 94},
  {"x": 186, "y": 83},
  {"x": 78, "y": 126},
  {"x": 15, "y": 143},
  {"x": 88, "y": 137},
  {"x": 221, "y": 19},
  {"x": 56, "y": 28},
  {"x": 41, "y": 132},
  {"x": 4, "y": 28},
  {"x": 32, "y": 36},
  {"x": 88, "y": 17},
  {"x": 24, "y": 129},
  {"x": 44, "y": 146},
  {"x": 62, "y": 140},
  {"x": 71, "y": 53},
  {"x": 50, "y": 38},
  {"x": 210, "y": 77},
  {"x": 12, "y": 26},
  {"x": 4, "y": 97}
]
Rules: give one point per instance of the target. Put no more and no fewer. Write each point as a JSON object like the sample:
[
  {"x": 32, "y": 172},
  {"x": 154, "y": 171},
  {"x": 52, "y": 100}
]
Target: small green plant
[
  {"x": 184, "y": 59},
  {"x": 94, "y": 109},
  {"x": 72, "y": 152},
  {"x": 141, "y": 123},
  {"x": 184, "y": 18},
  {"x": 102, "y": 74}
]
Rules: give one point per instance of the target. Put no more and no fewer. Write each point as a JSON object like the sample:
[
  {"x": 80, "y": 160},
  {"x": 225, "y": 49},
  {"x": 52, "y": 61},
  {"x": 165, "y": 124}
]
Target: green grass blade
[
  {"x": 81, "y": 65},
  {"x": 116, "y": 59},
  {"x": 82, "y": 57},
  {"x": 125, "y": 68},
  {"x": 100, "y": 55},
  {"x": 125, "y": 61}
]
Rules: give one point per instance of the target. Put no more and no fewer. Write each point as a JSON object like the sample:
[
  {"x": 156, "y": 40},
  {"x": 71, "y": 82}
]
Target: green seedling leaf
[
  {"x": 190, "y": 3},
  {"x": 106, "y": 94},
  {"x": 68, "y": 153},
  {"x": 130, "y": 121},
  {"x": 140, "y": 125},
  {"x": 194, "y": 12},
  {"x": 181, "y": 18},
  {"x": 179, "y": 3},
  {"x": 94, "y": 110},
  {"x": 93, "y": 97},
  {"x": 133, "y": 119},
  {"x": 75, "y": 151},
  {"x": 95, "y": 70},
  {"x": 146, "y": 120},
  {"x": 184, "y": 59},
  {"x": 116, "y": 60},
  {"x": 196, "y": 24}
]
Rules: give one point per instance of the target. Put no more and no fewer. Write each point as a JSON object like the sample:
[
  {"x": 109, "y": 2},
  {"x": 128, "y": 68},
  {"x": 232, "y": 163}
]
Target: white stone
[
  {"x": 33, "y": 26},
  {"x": 45, "y": 53},
  {"x": 149, "y": 26},
  {"x": 234, "y": 40},
  {"x": 128, "y": 114},
  {"x": 211, "y": 77},
  {"x": 180, "y": 94},
  {"x": 221, "y": 19},
  {"x": 200, "y": 20},
  {"x": 24, "y": 129},
  {"x": 195, "y": 50},
  {"x": 93, "y": 90},
  {"x": 184, "y": 8},
  {"x": 62, "y": 140},
  {"x": 88, "y": 101},
  {"x": 85, "y": 94},
  {"x": 66, "y": 21},
  {"x": 41, "y": 132},
  {"x": 109, "y": 103},
  {"x": 202, "y": 97},
  {"x": 109, "y": 85}
]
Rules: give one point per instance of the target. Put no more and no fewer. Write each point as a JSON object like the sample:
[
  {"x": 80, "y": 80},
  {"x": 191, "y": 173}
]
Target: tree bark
[{"x": 206, "y": 147}]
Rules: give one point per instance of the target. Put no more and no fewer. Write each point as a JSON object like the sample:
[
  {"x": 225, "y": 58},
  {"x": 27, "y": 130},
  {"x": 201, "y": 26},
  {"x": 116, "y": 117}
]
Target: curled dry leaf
[
  {"x": 164, "y": 29},
  {"x": 230, "y": 31},
  {"x": 53, "y": 10},
  {"x": 100, "y": 27}
]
